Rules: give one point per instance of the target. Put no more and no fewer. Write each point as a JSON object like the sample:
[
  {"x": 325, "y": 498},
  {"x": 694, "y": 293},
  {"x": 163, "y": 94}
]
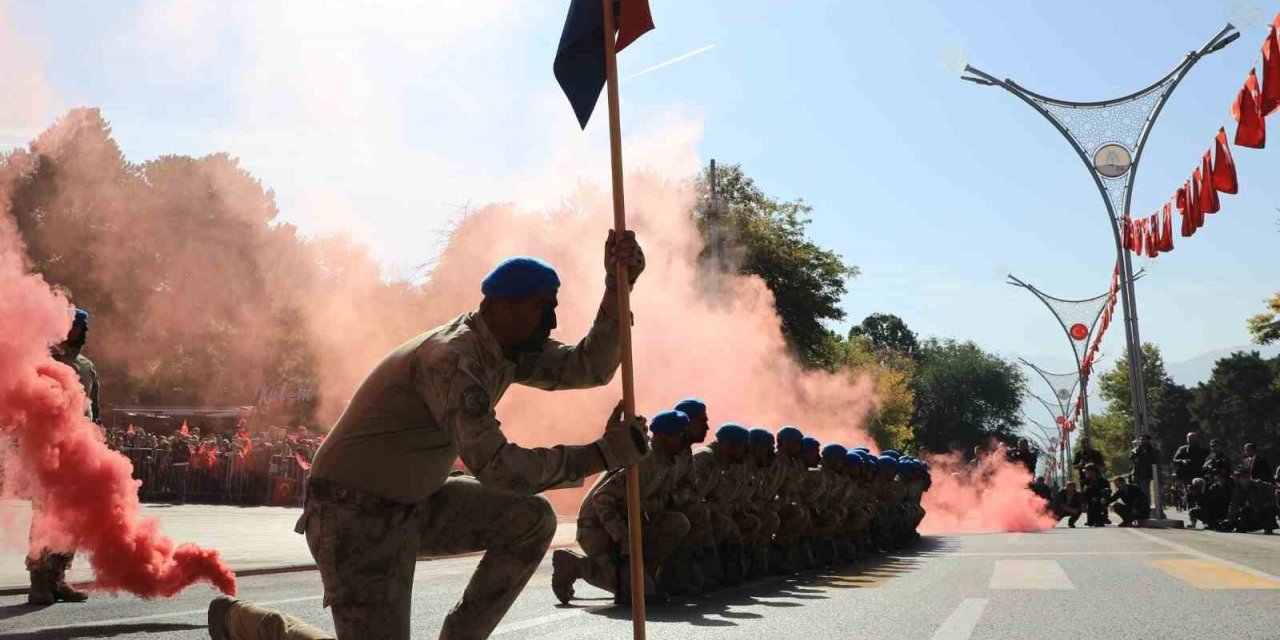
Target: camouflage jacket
[{"x": 432, "y": 400}]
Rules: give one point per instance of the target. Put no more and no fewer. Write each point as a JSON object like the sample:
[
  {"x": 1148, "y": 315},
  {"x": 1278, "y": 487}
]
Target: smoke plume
[
  {"x": 84, "y": 494},
  {"x": 989, "y": 496}
]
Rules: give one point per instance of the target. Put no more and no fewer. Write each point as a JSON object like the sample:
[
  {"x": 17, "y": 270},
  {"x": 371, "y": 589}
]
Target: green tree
[
  {"x": 893, "y": 374},
  {"x": 757, "y": 234},
  {"x": 1265, "y": 327},
  {"x": 965, "y": 396},
  {"x": 1168, "y": 403},
  {"x": 887, "y": 331},
  {"x": 1112, "y": 435},
  {"x": 1241, "y": 402}
]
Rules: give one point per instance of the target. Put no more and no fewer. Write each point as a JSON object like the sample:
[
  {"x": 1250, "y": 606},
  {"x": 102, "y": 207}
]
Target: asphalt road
[{"x": 1082, "y": 583}]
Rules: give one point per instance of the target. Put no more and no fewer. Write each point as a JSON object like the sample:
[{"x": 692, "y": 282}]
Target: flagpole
[{"x": 623, "y": 287}]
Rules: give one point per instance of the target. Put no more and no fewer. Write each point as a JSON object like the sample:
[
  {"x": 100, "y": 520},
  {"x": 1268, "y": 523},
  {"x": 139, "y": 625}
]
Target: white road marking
[
  {"x": 1184, "y": 549},
  {"x": 157, "y": 616},
  {"x": 1014, "y": 537},
  {"x": 551, "y": 617},
  {"x": 1029, "y": 574},
  {"x": 984, "y": 554},
  {"x": 959, "y": 625}
]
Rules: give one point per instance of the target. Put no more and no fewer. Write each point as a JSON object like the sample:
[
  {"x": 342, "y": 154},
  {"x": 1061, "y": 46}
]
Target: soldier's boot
[
  {"x": 218, "y": 617},
  {"x": 709, "y": 563},
  {"x": 731, "y": 557},
  {"x": 41, "y": 592},
  {"x": 678, "y": 577},
  {"x": 807, "y": 559},
  {"x": 63, "y": 592},
  {"x": 564, "y": 572},
  {"x": 844, "y": 549},
  {"x": 652, "y": 594}
]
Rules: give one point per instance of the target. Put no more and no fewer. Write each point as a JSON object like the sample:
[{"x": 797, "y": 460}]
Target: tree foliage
[
  {"x": 1265, "y": 327},
  {"x": 197, "y": 294},
  {"x": 1168, "y": 403},
  {"x": 887, "y": 331},
  {"x": 757, "y": 234},
  {"x": 965, "y": 396},
  {"x": 1241, "y": 402},
  {"x": 893, "y": 374}
]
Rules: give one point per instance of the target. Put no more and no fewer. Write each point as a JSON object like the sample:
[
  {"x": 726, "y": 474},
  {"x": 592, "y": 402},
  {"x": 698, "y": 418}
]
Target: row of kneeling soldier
[{"x": 748, "y": 504}]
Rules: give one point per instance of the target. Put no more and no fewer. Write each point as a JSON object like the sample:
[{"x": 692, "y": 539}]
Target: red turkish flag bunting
[
  {"x": 1188, "y": 223},
  {"x": 1224, "y": 166},
  {"x": 1270, "y": 95},
  {"x": 1166, "y": 231},
  {"x": 1154, "y": 240},
  {"x": 1193, "y": 199},
  {"x": 1252, "y": 129},
  {"x": 1208, "y": 191}
]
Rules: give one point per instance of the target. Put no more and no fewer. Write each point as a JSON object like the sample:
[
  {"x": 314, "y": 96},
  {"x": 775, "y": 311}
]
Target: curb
[{"x": 287, "y": 568}]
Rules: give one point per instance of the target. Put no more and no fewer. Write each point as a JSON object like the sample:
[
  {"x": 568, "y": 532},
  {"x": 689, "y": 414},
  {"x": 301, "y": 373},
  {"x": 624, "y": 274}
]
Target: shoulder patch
[{"x": 475, "y": 402}]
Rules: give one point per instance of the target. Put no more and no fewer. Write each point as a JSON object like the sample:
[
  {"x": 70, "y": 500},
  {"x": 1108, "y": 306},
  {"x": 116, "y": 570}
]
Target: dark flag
[{"x": 580, "y": 64}]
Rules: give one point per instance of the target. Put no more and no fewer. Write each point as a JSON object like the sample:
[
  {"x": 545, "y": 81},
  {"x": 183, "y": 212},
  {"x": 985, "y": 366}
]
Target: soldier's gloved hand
[
  {"x": 624, "y": 442},
  {"x": 622, "y": 251}
]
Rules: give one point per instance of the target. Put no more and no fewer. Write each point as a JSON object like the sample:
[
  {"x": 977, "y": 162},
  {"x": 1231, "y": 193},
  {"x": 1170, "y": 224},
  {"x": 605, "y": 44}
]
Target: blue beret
[
  {"x": 790, "y": 434},
  {"x": 888, "y": 461},
  {"x": 730, "y": 433},
  {"x": 810, "y": 445},
  {"x": 834, "y": 450},
  {"x": 520, "y": 277},
  {"x": 694, "y": 407},
  {"x": 870, "y": 461},
  {"x": 852, "y": 458},
  {"x": 891, "y": 453},
  {"x": 862, "y": 449},
  {"x": 668, "y": 422},
  {"x": 761, "y": 436},
  {"x": 82, "y": 317}
]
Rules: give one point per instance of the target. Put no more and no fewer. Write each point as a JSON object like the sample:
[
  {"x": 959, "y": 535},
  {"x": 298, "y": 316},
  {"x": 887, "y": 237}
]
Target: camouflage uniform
[
  {"x": 685, "y": 497},
  {"x": 602, "y": 523},
  {"x": 762, "y": 503},
  {"x": 722, "y": 487},
  {"x": 381, "y": 494},
  {"x": 41, "y": 559}
]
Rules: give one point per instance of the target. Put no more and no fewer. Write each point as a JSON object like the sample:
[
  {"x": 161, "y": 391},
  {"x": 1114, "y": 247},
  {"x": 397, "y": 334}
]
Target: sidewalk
[{"x": 251, "y": 539}]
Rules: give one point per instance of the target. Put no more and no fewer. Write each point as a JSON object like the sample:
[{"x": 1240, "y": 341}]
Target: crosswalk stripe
[
  {"x": 1203, "y": 556},
  {"x": 1207, "y": 574},
  {"x": 1029, "y": 574},
  {"x": 960, "y": 624}
]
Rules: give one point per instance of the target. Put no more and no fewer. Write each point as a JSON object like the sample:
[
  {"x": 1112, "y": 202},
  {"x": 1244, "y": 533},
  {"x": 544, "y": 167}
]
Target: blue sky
[{"x": 383, "y": 122}]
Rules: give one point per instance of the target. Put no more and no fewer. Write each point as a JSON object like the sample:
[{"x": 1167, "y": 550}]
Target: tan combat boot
[{"x": 41, "y": 592}]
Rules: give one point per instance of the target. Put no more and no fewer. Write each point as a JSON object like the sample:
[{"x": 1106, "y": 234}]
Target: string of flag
[{"x": 1152, "y": 235}]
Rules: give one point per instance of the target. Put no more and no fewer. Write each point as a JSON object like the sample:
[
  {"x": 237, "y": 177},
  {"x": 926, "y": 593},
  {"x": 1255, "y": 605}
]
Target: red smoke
[
  {"x": 87, "y": 497},
  {"x": 717, "y": 336},
  {"x": 989, "y": 496}
]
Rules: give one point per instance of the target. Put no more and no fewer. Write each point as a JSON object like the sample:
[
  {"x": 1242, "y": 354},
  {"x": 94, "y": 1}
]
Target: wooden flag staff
[{"x": 623, "y": 288}]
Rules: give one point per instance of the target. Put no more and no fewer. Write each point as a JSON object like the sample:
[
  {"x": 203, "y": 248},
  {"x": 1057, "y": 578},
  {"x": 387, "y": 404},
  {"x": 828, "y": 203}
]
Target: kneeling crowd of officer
[{"x": 751, "y": 503}]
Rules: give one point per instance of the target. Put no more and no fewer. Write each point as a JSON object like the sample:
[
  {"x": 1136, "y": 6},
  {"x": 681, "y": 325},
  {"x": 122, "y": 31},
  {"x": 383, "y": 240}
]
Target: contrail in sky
[{"x": 679, "y": 58}]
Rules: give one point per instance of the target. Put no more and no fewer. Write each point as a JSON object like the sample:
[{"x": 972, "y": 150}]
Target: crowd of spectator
[
  {"x": 1216, "y": 491},
  {"x": 267, "y": 466}
]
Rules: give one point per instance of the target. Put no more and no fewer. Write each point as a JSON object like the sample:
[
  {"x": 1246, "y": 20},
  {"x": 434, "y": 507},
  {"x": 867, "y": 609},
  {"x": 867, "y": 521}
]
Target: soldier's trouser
[
  {"x": 661, "y": 537},
  {"x": 768, "y": 527},
  {"x": 246, "y": 621},
  {"x": 702, "y": 534},
  {"x": 366, "y": 550},
  {"x": 792, "y": 521},
  {"x": 748, "y": 525},
  {"x": 724, "y": 527},
  {"x": 39, "y": 556}
]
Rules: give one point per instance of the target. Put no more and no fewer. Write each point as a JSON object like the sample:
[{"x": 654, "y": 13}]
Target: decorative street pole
[{"x": 1109, "y": 137}]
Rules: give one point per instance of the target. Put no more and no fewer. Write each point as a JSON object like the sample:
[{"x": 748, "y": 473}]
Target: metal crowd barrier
[{"x": 226, "y": 479}]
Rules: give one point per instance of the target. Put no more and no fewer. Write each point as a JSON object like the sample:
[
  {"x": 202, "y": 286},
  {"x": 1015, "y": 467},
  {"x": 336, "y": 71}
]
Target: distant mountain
[{"x": 1200, "y": 368}]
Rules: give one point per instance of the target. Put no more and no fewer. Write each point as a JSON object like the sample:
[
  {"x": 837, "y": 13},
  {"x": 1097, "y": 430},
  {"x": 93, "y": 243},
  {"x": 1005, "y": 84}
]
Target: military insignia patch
[{"x": 475, "y": 402}]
